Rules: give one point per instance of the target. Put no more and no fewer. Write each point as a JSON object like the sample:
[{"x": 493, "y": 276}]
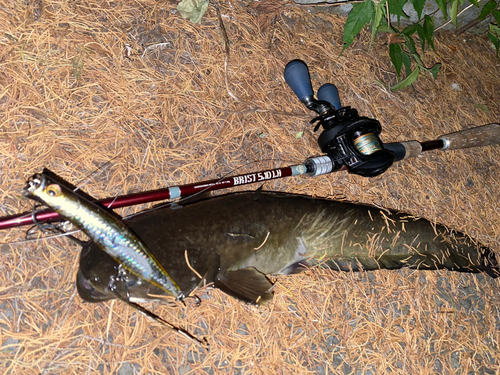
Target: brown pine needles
[{"x": 83, "y": 82}]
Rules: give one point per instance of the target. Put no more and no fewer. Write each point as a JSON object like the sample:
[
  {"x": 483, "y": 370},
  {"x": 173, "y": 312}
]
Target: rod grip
[
  {"x": 404, "y": 150},
  {"x": 480, "y": 136}
]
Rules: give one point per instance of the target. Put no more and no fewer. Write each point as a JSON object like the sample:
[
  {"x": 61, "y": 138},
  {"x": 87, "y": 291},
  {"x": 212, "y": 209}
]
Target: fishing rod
[{"x": 350, "y": 142}]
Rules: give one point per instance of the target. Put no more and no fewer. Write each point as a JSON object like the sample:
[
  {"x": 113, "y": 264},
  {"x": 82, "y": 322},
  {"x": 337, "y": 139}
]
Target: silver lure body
[{"x": 106, "y": 230}]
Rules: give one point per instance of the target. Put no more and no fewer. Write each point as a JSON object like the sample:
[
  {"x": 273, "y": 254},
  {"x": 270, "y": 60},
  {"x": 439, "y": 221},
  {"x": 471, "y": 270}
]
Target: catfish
[{"x": 235, "y": 241}]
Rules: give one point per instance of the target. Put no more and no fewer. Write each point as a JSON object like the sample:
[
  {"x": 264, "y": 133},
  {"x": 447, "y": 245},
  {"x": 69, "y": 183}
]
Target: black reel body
[
  {"x": 353, "y": 141},
  {"x": 348, "y": 140}
]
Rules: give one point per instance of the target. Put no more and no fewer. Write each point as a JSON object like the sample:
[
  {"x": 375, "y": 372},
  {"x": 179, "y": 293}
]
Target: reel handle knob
[
  {"x": 297, "y": 77},
  {"x": 330, "y": 94}
]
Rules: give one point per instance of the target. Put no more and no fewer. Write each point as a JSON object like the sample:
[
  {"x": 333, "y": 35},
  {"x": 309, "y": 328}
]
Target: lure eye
[{"x": 53, "y": 190}]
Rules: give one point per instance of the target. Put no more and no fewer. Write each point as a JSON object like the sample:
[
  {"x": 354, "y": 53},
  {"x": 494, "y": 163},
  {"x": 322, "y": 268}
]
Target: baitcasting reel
[{"x": 348, "y": 139}]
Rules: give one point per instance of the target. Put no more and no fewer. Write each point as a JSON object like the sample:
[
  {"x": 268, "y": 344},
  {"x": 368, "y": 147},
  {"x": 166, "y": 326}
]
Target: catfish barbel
[
  {"x": 235, "y": 240},
  {"x": 106, "y": 230}
]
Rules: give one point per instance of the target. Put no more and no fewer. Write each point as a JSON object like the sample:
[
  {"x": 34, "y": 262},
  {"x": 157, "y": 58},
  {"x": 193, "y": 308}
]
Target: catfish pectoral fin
[
  {"x": 246, "y": 284},
  {"x": 297, "y": 267}
]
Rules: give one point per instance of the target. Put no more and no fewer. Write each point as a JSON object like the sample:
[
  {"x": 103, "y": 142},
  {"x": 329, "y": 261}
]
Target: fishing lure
[{"x": 106, "y": 230}]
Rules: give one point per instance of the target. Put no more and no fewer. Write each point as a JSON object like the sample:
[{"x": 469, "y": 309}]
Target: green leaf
[
  {"x": 419, "y": 7},
  {"x": 407, "y": 81},
  {"x": 496, "y": 14},
  {"x": 442, "y": 4},
  {"x": 494, "y": 29},
  {"x": 429, "y": 31},
  {"x": 421, "y": 35},
  {"x": 482, "y": 107},
  {"x": 494, "y": 36},
  {"x": 192, "y": 9},
  {"x": 410, "y": 29},
  {"x": 435, "y": 70},
  {"x": 299, "y": 135},
  {"x": 475, "y": 3},
  {"x": 488, "y": 8},
  {"x": 495, "y": 40},
  {"x": 397, "y": 9},
  {"x": 376, "y": 18},
  {"x": 454, "y": 11},
  {"x": 396, "y": 55},
  {"x": 418, "y": 60},
  {"x": 359, "y": 16},
  {"x": 410, "y": 44},
  {"x": 386, "y": 29},
  {"x": 407, "y": 63}
]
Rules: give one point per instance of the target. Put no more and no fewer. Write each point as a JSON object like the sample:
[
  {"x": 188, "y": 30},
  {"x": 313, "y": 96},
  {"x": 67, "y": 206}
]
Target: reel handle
[
  {"x": 297, "y": 77},
  {"x": 329, "y": 93}
]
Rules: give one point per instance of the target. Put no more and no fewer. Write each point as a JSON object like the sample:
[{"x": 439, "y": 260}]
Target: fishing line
[
  {"x": 51, "y": 228},
  {"x": 94, "y": 172},
  {"x": 203, "y": 343},
  {"x": 64, "y": 234}
]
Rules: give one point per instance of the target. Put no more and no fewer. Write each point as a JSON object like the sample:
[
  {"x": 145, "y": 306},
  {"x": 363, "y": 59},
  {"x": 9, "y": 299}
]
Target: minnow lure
[{"x": 106, "y": 230}]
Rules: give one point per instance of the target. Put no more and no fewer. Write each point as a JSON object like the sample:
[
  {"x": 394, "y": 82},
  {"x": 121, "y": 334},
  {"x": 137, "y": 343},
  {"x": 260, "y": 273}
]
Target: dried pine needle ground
[{"x": 135, "y": 91}]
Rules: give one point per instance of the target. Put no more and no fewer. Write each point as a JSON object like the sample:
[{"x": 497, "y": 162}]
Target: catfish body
[{"x": 235, "y": 240}]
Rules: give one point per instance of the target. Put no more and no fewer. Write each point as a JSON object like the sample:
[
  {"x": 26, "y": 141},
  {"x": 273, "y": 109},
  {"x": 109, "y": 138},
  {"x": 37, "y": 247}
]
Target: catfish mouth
[{"x": 87, "y": 292}]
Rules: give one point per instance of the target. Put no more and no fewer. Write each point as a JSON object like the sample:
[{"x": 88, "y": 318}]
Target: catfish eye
[{"x": 53, "y": 190}]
